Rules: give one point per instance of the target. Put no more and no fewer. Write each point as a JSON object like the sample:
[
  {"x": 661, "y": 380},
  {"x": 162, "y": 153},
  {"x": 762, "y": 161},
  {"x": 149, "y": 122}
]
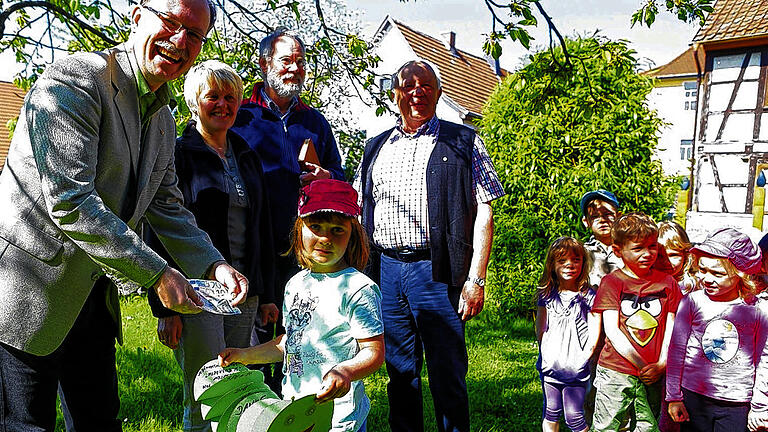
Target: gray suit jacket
[{"x": 74, "y": 165}]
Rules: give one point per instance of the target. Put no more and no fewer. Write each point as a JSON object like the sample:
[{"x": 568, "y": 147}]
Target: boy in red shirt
[{"x": 638, "y": 306}]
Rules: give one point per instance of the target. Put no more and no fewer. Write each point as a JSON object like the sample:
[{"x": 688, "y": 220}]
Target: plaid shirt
[
  {"x": 276, "y": 109},
  {"x": 604, "y": 261},
  {"x": 399, "y": 180}
]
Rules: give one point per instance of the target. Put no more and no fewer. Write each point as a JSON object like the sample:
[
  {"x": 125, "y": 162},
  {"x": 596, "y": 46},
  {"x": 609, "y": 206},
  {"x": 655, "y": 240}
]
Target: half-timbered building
[{"x": 731, "y": 129}]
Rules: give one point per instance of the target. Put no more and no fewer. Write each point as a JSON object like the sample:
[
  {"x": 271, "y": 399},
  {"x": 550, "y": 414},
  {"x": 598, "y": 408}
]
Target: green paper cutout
[
  {"x": 303, "y": 414},
  {"x": 221, "y": 403},
  {"x": 236, "y": 399},
  {"x": 239, "y": 408},
  {"x": 211, "y": 373},
  {"x": 300, "y": 415},
  {"x": 231, "y": 382},
  {"x": 258, "y": 417}
]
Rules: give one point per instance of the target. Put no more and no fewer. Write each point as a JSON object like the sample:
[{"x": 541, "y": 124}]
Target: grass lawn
[{"x": 504, "y": 390}]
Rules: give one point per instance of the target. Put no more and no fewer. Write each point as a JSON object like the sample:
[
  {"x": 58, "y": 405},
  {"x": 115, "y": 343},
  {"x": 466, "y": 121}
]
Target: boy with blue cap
[{"x": 599, "y": 209}]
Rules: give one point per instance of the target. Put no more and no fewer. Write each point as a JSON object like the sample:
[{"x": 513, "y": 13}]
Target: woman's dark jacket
[{"x": 203, "y": 183}]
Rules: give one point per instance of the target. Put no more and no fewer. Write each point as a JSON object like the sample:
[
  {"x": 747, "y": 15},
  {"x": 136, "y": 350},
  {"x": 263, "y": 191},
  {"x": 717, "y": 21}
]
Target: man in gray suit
[{"x": 92, "y": 155}]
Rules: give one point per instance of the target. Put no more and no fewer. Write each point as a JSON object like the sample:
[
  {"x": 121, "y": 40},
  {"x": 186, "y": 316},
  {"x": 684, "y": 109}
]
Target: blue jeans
[
  {"x": 420, "y": 318},
  {"x": 82, "y": 369}
]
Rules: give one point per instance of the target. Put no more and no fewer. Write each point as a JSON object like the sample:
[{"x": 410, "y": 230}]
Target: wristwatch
[{"x": 477, "y": 281}]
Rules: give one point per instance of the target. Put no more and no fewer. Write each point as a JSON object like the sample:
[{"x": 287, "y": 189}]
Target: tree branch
[
  {"x": 552, "y": 28},
  {"x": 6, "y": 14}
]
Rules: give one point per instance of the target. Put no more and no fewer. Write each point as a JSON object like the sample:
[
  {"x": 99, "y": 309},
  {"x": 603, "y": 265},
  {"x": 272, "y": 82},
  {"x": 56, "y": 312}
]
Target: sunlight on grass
[{"x": 504, "y": 390}]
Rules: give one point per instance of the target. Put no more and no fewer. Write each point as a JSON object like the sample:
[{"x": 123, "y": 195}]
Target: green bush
[{"x": 555, "y": 130}]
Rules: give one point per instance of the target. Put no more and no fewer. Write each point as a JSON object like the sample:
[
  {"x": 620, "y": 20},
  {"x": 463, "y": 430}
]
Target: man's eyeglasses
[
  {"x": 288, "y": 61},
  {"x": 176, "y": 27}
]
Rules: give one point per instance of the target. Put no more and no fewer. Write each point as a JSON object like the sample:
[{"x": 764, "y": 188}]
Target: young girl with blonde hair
[
  {"x": 674, "y": 254},
  {"x": 718, "y": 338}
]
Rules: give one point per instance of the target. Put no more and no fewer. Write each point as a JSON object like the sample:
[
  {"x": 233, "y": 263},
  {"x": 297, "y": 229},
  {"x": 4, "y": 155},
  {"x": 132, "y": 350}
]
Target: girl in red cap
[
  {"x": 718, "y": 340},
  {"x": 331, "y": 313}
]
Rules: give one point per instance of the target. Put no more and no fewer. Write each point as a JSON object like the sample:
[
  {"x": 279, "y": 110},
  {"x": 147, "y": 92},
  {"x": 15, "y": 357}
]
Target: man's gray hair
[
  {"x": 211, "y": 10},
  {"x": 267, "y": 45},
  {"x": 428, "y": 65}
]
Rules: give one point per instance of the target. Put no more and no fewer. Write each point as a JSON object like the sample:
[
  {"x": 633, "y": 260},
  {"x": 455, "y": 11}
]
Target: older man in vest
[{"x": 426, "y": 187}]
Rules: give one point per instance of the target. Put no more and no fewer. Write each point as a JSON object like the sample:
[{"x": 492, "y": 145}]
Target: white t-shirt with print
[{"x": 324, "y": 314}]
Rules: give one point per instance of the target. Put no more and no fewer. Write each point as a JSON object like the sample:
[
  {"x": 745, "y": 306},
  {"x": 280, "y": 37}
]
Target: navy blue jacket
[
  {"x": 450, "y": 201},
  {"x": 277, "y": 143},
  {"x": 203, "y": 183}
]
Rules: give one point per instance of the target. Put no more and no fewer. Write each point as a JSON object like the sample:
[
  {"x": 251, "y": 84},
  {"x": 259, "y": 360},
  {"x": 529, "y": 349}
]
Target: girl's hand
[
  {"x": 757, "y": 420},
  {"x": 678, "y": 412},
  {"x": 232, "y": 355},
  {"x": 312, "y": 172},
  {"x": 336, "y": 384}
]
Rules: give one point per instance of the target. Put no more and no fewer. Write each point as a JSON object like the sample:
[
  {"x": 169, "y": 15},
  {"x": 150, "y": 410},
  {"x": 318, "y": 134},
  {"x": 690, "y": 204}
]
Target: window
[
  {"x": 686, "y": 149},
  {"x": 691, "y": 93},
  {"x": 385, "y": 83}
]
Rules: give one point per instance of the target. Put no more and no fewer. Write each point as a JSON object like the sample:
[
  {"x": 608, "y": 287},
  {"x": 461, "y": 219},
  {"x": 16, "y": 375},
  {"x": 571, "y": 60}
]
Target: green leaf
[
  {"x": 650, "y": 16},
  {"x": 525, "y": 39},
  {"x": 295, "y": 9}
]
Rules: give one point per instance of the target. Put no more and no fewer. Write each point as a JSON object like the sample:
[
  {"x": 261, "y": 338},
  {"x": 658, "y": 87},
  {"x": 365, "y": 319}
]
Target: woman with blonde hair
[{"x": 221, "y": 180}]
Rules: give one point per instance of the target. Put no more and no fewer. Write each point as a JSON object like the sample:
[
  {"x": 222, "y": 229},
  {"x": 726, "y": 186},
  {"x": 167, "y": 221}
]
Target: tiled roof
[
  {"x": 466, "y": 78},
  {"x": 684, "y": 64},
  {"x": 11, "y": 99},
  {"x": 734, "y": 19}
]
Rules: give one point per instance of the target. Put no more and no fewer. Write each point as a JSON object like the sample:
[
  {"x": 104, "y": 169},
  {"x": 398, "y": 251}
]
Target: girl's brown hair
[
  {"x": 672, "y": 235},
  {"x": 548, "y": 284},
  {"x": 357, "y": 251}
]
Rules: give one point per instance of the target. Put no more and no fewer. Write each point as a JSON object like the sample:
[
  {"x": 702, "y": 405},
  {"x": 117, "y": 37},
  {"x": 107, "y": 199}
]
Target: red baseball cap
[{"x": 328, "y": 195}]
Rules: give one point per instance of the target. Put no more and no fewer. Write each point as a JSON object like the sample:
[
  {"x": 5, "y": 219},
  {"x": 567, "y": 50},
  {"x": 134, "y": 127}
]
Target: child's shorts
[
  {"x": 565, "y": 400},
  {"x": 616, "y": 394}
]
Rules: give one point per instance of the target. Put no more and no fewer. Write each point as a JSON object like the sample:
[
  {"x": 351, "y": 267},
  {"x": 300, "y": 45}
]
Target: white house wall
[{"x": 669, "y": 103}]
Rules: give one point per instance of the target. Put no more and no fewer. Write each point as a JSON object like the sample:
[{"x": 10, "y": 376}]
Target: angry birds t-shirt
[{"x": 643, "y": 305}]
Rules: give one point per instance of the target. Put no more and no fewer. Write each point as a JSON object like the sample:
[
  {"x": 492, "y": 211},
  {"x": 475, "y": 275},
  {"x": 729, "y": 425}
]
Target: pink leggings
[{"x": 565, "y": 399}]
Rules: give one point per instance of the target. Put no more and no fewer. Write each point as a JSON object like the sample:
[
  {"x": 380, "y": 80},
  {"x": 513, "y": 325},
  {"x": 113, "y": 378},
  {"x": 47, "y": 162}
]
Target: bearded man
[{"x": 275, "y": 123}]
